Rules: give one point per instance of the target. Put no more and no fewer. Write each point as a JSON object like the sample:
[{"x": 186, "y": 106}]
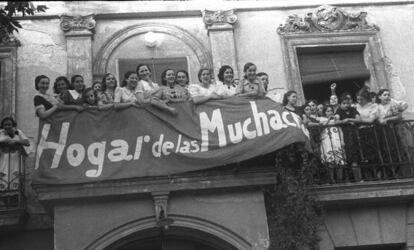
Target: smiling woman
[
  {"x": 45, "y": 104},
  {"x": 250, "y": 86}
]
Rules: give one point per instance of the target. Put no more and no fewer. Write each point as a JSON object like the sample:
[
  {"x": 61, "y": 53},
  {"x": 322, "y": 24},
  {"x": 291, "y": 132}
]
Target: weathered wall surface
[
  {"x": 242, "y": 213},
  {"x": 371, "y": 225}
]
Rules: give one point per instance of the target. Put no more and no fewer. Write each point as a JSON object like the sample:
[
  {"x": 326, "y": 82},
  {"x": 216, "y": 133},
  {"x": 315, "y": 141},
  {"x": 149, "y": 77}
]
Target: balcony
[
  {"x": 12, "y": 189},
  {"x": 367, "y": 159},
  {"x": 364, "y": 163}
]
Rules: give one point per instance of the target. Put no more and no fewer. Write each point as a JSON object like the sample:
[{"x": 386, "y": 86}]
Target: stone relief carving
[
  {"x": 161, "y": 206},
  {"x": 326, "y": 18},
  {"x": 78, "y": 23},
  {"x": 7, "y": 39},
  {"x": 219, "y": 17}
]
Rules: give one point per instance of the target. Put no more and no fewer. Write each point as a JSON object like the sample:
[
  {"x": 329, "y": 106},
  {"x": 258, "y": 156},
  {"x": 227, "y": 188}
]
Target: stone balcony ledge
[
  {"x": 225, "y": 179},
  {"x": 363, "y": 192}
]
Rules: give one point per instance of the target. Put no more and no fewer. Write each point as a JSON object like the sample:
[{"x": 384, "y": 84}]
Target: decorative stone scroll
[
  {"x": 219, "y": 17},
  {"x": 78, "y": 23},
  {"x": 326, "y": 18}
]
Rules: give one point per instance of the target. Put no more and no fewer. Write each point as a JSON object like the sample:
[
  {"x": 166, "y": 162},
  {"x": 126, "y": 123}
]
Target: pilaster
[
  {"x": 79, "y": 31},
  {"x": 220, "y": 25}
]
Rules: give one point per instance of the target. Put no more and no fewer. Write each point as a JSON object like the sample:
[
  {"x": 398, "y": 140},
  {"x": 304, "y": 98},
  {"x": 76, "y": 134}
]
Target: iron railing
[
  {"x": 363, "y": 152},
  {"x": 12, "y": 179}
]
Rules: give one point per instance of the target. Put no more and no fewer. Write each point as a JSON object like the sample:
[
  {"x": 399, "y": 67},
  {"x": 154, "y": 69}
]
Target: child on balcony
[
  {"x": 332, "y": 148},
  {"x": 348, "y": 116},
  {"x": 89, "y": 98}
]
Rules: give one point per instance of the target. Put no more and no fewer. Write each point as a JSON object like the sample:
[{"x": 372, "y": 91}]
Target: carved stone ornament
[
  {"x": 7, "y": 39},
  {"x": 160, "y": 205},
  {"x": 78, "y": 23},
  {"x": 219, "y": 17},
  {"x": 326, "y": 18}
]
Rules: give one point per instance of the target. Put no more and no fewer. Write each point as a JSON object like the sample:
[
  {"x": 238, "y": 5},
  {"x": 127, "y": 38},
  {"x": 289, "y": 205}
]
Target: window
[
  {"x": 157, "y": 65},
  {"x": 351, "y": 37},
  {"x": 322, "y": 65}
]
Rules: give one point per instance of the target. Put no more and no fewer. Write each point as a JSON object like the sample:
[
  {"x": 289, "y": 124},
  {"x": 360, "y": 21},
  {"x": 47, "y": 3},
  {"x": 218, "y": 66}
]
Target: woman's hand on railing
[{"x": 79, "y": 108}]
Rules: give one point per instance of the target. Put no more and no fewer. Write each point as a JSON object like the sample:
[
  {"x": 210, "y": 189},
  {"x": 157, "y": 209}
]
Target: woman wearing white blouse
[
  {"x": 205, "y": 90},
  {"x": 228, "y": 85}
]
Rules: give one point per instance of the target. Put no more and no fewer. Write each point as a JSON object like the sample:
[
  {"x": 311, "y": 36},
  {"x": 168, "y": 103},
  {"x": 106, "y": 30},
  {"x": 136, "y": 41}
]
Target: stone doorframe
[
  {"x": 101, "y": 60},
  {"x": 180, "y": 221},
  {"x": 331, "y": 26}
]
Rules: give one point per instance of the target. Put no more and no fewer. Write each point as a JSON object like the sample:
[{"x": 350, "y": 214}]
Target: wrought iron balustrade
[
  {"x": 12, "y": 179},
  {"x": 363, "y": 152}
]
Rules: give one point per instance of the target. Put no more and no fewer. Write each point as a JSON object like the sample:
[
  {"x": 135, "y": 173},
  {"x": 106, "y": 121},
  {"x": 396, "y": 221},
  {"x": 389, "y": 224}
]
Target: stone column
[
  {"x": 79, "y": 32},
  {"x": 220, "y": 30}
]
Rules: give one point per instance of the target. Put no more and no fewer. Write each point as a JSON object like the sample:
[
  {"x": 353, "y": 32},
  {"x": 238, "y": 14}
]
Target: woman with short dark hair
[
  {"x": 74, "y": 95},
  {"x": 12, "y": 141},
  {"x": 182, "y": 78},
  {"x": 228, "y": 85},
  {"x": 249, "y": 85},
  {"x": 45, "y": 104},
  {"x": 171, "y": 91},
  {"x": 205, "y": 90}
]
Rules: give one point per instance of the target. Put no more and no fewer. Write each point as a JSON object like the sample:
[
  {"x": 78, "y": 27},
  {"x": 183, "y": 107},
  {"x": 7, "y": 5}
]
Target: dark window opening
[{"x": 321, "y": 66}]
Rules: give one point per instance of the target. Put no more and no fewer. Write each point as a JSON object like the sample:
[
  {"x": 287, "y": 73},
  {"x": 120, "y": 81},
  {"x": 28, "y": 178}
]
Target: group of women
[
  {"x": 336, "y": 127},
  {"x": 137, "y": 89}
]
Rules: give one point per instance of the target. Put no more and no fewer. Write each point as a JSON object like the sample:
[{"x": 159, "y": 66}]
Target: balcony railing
[
  {"x": 12, "y": 179},
  {"x": 363, "y": 152}
]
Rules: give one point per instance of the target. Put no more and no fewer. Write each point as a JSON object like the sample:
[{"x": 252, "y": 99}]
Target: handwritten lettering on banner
[{"x": 95, "y": 145}]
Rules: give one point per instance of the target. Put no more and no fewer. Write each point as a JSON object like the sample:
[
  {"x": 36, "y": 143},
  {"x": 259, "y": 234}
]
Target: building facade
[{"x": 218, "y": 209}]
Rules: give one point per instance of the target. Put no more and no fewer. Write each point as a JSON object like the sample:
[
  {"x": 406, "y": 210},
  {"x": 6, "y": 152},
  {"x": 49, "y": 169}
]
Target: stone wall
[{"x": 236, "y": 217}]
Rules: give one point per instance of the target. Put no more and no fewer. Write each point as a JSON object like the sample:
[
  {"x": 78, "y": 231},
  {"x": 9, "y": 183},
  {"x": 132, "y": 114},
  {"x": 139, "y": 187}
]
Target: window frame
[{"x": 373, "y": 54}]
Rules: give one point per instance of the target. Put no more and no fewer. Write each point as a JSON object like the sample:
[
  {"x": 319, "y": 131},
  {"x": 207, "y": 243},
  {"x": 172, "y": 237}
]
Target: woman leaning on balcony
[
  {"x": 107, "y": 94},
  {"x": 73, "y": 96},
  {"x": 171, "y": 91},
  {"x": 227, "y": 84},
  {"x": 148, "y": 91},
  {"x": 12, "y": 141},
  {"x": 390, "y": 116},
  {"x": 125, "y": 96},
  {"x": 249, "y": 85},
  {"x": 205, "y": 90},
  {"x": 45, "y": 104}
]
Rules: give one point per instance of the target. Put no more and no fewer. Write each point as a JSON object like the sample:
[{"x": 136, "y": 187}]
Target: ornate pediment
[
  {"x": 7, "y": 39},
  {"x": 78, "y": 23},
  {"x": 326, "y": 18},
  {"x": 219, "y": 17}
]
